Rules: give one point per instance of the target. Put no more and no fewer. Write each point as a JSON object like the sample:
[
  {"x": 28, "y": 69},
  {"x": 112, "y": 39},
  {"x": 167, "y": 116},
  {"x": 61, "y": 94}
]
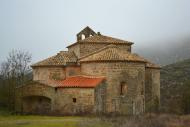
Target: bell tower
[{"x": 85, "y": 33}]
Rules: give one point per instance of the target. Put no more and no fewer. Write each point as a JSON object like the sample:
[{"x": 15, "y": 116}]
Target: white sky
[{"x": 44, "y": 27}]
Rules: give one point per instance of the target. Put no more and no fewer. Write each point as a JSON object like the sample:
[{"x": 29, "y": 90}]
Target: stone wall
[
  {"x": 74, "y": 100},
  {"x": 152, "y": 86},
  {"x": 46, "y": 73},
  {"x": 76, "y": 49},
  {"x": 63, "y": 101},
  {"x": 133, "y": 74},
  {"x": 72, "y": 70},
  {"x": 100, "y": 98}
]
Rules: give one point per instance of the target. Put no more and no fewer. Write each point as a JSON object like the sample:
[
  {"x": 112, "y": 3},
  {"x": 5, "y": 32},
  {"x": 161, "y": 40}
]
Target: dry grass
[{"x": 148, "y": 120}]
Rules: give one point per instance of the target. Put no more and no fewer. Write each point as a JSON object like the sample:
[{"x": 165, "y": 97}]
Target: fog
[
  {"x": 45, "y": 27},
  {"x": 171, "y": 51}
]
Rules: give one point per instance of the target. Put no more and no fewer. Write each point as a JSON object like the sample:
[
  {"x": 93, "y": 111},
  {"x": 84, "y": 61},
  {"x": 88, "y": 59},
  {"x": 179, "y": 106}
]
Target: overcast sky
[{"x": 45, "y": 27}]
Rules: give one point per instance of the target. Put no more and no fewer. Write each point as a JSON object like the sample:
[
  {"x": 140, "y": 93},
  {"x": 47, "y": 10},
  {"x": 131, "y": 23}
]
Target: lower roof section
[{"x": 79, "y": 81}]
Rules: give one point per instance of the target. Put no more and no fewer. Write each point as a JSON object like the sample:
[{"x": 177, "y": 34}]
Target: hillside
[{"x": 174, "y": 80}]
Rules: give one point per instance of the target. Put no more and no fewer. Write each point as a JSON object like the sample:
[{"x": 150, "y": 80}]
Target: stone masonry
[{"x": 98, "y": 74}]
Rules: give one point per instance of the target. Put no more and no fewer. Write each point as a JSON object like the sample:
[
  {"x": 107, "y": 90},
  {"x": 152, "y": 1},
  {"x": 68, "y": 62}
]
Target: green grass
[
  {"x": 8, "y": 120},
  {"x": 146, "y": 120},
  {"x": 38, "y": 121},
  {"x": 50, "y": 121}
]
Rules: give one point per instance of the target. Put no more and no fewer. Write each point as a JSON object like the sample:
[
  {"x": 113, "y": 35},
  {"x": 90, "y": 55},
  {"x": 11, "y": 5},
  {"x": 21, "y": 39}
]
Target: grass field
[
  {"x": 50, "y": 121},
  {"x": 147, "y": 120},
  {"x": 38, "y": 121},
  {"x": 8, "y": 120}
]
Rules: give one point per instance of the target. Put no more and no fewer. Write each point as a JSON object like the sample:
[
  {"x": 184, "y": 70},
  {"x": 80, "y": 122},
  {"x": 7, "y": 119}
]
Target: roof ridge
[
  {"x": 102, "y": 39},
  {"x": 116, "y": 38},
  {"x": 106, "y": 37}
]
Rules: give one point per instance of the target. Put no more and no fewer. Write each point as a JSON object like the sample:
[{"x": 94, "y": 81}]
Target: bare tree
[
  {"x": 19, "y": 64},
  {"x": 14, "y": 71},
  {"x": 4, "y": 70}
]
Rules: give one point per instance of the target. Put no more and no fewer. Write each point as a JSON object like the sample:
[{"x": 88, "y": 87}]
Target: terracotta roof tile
[
  {"x": 79, "y": 81},
  {"x": 62, "y": 58},
  {"x": 112, "y": 53}
]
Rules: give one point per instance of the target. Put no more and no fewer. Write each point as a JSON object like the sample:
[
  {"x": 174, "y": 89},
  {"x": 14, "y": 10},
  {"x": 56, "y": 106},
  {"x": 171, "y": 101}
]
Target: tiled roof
[
  {"x": 79, "y": 81},
  {"x": 112, "y": 53},
  {"x": 62, "y": 58},
  {"x": 102, "y": 39}
]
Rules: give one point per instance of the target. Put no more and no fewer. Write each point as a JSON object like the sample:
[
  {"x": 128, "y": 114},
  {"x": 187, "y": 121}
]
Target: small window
[
  {"x": 123, "y": 88},
  {"x": 74, "y": 100},
  {"x": 55, "y": 89}
]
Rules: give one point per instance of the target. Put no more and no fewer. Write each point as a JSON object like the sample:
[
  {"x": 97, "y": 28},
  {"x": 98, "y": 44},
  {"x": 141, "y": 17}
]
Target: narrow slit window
[
  {"x": 123, "y": 88},
  {"x": 55, "y": 89}
]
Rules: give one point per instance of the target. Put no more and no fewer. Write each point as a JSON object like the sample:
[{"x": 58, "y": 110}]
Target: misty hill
[
  {"x": 175, "y": 78},
  {"x": 167, "y": 53}
]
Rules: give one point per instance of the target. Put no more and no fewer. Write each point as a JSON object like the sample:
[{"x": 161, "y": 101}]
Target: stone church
[{"x": 98, "y": 74}]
